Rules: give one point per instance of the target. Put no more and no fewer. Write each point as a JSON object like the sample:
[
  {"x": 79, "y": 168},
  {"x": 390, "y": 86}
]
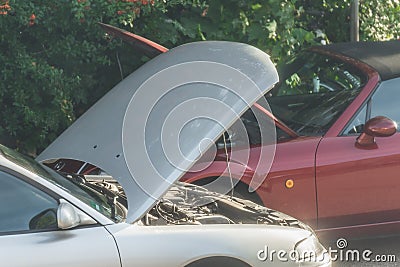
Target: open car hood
[{"x": 152, "y": 127}]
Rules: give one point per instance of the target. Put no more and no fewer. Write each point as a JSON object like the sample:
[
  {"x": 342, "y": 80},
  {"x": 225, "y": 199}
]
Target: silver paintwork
[
  {"x": 67, "y": 217},
  {"x": 117, "y": 149},
  {"x": 87, "y": 247},
  {"x": 200, "y": 241}
]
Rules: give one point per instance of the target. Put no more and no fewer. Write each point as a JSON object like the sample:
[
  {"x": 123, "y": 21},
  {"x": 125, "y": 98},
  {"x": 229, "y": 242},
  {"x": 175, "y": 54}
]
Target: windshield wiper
[{"x": 95, "y": 189}]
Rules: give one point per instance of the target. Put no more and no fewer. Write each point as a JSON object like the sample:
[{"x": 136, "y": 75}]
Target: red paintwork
[
  {"x": 73, "y": 166},
  {"x": 339, "y": 188},
  {"x": 380, "y": 127},
  {"x": 147, "y": 46},
  {"x": 376, "y": 127},
  {"x": 293, "y": 160},
  {"x": 278, "y": 123},
  {"x": 355, "y": 185}
]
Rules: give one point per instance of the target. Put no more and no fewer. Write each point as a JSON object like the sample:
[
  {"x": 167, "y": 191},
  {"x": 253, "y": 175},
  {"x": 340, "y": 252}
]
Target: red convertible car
[
  {"x": 337, "y": 157},
  {"x": 335, "y": 165}
]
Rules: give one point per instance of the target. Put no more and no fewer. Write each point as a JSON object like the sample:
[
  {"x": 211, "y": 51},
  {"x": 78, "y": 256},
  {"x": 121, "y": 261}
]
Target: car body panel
[
  {"x": 346, "y": 170},
  {"x": 120, "y": 147},
  {"x": 186, "y": 250},
  {"x": 92, "y": 246},
  {"x": 292, "y": 176},
  {"x": 273, "y": 192}
]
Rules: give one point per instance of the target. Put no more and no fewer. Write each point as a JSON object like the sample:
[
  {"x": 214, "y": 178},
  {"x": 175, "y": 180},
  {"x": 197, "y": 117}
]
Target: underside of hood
[{"x": 152, "y": 127}]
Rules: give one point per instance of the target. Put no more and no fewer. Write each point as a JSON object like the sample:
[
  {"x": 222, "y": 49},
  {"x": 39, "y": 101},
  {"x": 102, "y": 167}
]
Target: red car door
[
  {"x": 357, "y": 186},
  {"x": 290, "y": 184},
  {"x": 360, "y": 185}
]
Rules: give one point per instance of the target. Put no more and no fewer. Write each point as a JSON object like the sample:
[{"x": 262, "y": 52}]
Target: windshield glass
[
  {"x": 84, "y": 193},
  {"x": 314, "y": 91}
]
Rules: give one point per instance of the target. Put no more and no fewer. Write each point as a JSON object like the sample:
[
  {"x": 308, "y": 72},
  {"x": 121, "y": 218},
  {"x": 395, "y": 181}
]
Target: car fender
[{"x": 181, "y": 245}]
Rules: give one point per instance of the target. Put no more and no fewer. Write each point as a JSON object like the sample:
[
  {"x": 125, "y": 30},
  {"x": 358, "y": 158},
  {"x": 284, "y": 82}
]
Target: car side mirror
[
  {"x": 67, "y": 217},
  {"x": 376, "y": 127}
]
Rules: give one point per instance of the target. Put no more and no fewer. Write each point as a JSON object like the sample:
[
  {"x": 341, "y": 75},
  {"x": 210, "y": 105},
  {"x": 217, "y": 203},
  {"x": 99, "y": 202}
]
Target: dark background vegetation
[{"x": 56, "y": 61}]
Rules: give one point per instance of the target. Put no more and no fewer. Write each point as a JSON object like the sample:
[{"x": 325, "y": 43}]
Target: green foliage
[
  {"x": 380, "y": 20},
  {"x": 57, "y": 62}
]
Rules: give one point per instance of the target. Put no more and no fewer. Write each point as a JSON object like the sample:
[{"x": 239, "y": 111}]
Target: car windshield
[
  {"x": 87, "y": 195},
  {"x": 314, "y": 91}
]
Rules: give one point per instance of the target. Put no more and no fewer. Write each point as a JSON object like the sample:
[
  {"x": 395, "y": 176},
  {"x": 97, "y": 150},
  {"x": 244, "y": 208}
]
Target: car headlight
[{"x": 310, "y": 252}]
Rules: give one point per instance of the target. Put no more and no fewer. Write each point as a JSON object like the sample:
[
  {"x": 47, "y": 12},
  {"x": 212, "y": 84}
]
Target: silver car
[{"x": 140, "y": 215}]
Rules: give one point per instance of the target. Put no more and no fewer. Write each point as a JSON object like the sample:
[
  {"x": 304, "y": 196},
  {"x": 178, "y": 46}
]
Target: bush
[{"x": 56, "y": 61}]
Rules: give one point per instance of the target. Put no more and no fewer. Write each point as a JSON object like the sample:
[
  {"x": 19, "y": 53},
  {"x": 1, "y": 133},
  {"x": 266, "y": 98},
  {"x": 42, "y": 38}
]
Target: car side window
[
  {"x": 384, "y": 102},
  {"x": 357, "y": 124},
  {"x": 24, "y": 208}
]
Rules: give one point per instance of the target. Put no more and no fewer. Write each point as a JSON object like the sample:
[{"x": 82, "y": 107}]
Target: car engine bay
[{"x": 188, "y": 204}]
